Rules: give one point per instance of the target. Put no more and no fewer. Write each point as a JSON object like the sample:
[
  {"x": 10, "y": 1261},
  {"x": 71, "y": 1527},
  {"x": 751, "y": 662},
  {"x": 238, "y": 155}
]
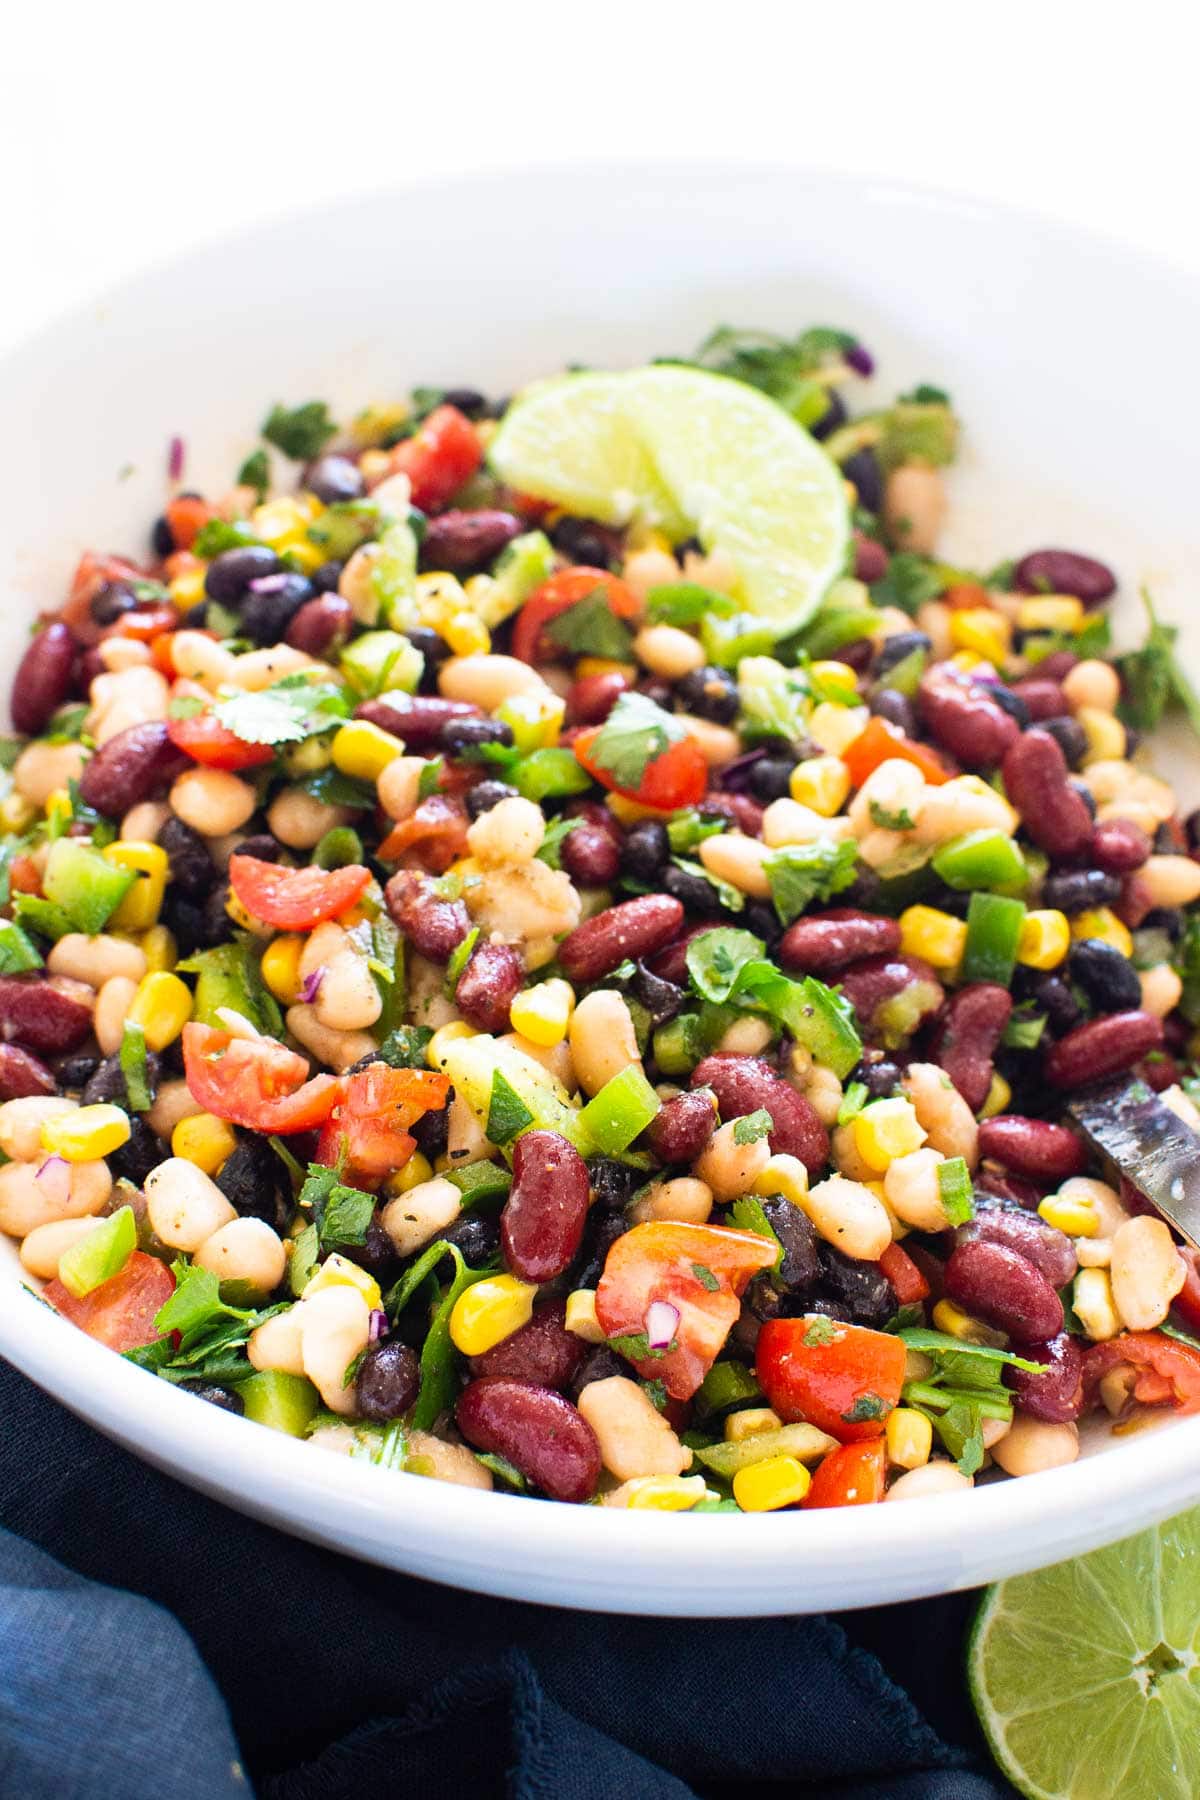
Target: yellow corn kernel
[
  {"x": 16, "y": 813},
  {"x": 339, "y": 1271},
  {"x": 417, "y": 1169},
  {"x": 766, "y": 1486},
  {"x": 276, "y": 521},
  {"x": 1102, "y": 922},
  {"x": 581, "y": 1320},
  {"x": 369, "y": 427},
  {"x": 1105, "y": 734},
  {"x": 141, "y": 906},
  {"x": 466, "y": 634},
  {"x": 786, "y": 1175},
  {"x": 885, "y": 1130},
  {"x": 59, "y": 810},
  {"x": 749, "y": 1421},
  {"x": 542, "y": 1013},
  {"x": 1078, "y": 1218},
  {"x": 983, "y": 630},
  {"x": 665, "y": 1493},
  {"x": 86, "y": 1134},
  {"x": 959, "y": 1324},
  {"x": 835, "y": 727},
  {"x": 938, "y": 937},
  {"x": 485, "y": 1314},
  {"x": 822, "y": 784},
  {"x": 1092, "y": 1301},
  {"x": 306, "y": 557},
  {"x": 435, "y": 1049},
  {"x": 439, "y": 597},
  {"x": 1050, "y": 612},
  {"x": 204, "y": 1140},
  {"x": 966, "y": 660},
  {"x": 162, "y": 1007},
  {"x": 187, "y": 589},
  {"x": 281, "y": 968},
  {"x": 631, "y": 812},
  {"x": 364, "y": 750},
  {"x": 998, "y": 1096},
  {"x": 909, "y": 1437},
  {"x": 245, "y": 921},
  {"x": 1045, "y": 939},
  {"x": 159, "y": 949},
  {"x": 603, "y": 665}
]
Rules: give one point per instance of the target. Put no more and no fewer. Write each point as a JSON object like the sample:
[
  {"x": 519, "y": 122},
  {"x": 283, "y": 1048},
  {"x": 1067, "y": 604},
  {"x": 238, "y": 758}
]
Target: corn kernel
[
  {"x": 542, "y": 1013},
  {"x": 162, "y": 1007},
  {"x": 835, "y": 727},
  {"x": 749, "y": 1421},
  {"x": 485, "y": 1314},
  {"x": 1050, "y": 612},
  {"x": 937, "y": 937},
  {"x": 141, "y": 906},
  {"x": 364, "y": 750},
  {"x": 1078, "y": 1218},
  {"x": 1092, "y": 1301},
  {"x": 245, "y": 921},
  {"x": 16, "y": 813},
  {"x": 369, "y": 428},
  {"x": 440, "y": 597},
  {"x": 665, "y": 1493},
  {"x": 966, "y": 660},
  {"x": 339, "y": 1271},
  {"x": 631, "y": 812},
  {"x": 766, "y": 1486},
  {"x": 435, "y": 1049},
  {"x": 277, "y": 521},
  {"x": 983, "y": 630},
  {"x": 187, "y": 590},
  {"x": 822, "y": 784},
  {"x": 581, "y": 1320},
  {"x": 417, "y": 1169},
  {"x": 1105, "y": 734},
  {"x": 59, "y": 810},
  {"x": 466, "y": 634},
  {"x": 1045, "y": 939},
  {"x": 86, "y": 1134},
  {"x": 959, "y": 1324},
  {"x": 885, "y": 1130},
  {"x": 1102, "y": 922},
  {"x": 159, "y": 949},
  {"x": 909, "y": 1437},
  {"x": 204, "y": 1140},
  {"x": 281, "y": 968},
  {"x": 998, "y": 1096},
  {"x": 603, "y": 665},
  {"x": 786, "y": 1175}
]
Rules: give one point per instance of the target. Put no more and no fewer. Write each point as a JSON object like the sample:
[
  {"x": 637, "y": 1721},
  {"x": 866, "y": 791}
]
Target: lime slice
[
  {"x": 689, "y": 452},
  {"x": 1086, "y": 1676}
]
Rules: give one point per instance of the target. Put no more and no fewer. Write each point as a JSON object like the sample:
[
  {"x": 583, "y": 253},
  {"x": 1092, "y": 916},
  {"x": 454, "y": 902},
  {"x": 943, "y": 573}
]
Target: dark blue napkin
[{"x": 222, "y": 1659}]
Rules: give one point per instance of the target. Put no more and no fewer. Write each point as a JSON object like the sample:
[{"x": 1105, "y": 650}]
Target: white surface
[{"x": 1016, "y": 318}]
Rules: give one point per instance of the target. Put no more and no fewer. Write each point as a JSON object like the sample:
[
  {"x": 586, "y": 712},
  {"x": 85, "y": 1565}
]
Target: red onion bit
[
  {"x": 55, "y": 1175},
  {"x": 269, "y": 584},
  {"x": 860, "y": 359},
  {"x": 176, "y": 454},
  {"x": 312, "y": 985},
  {"x": 378, "y": 1326},
  {"x": 662, "y": 1320}
]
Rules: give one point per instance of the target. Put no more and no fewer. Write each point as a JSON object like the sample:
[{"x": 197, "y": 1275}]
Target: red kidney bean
[
  {"x": 1058, "y": 665},
  {"x": 1134, "y": 901},
  {"x": 22, "y": 1074},
  {"x": 1102, "y": 1047},
  {"x": 1064, "y": 572},
  {"x": 542, "y": 1223},
  {"x": 963, "y": 720},
  {"x": 870, "y": 559},
  {"x": 1045, "y": 699},
  {"x": 91, "y": 664},
  {"x": 435, "y": 928},
  {"x": 670, "y": 964},
  {"x": 1033, "y": 1147},
  {"x": 829, "y": 940},
  {"x": 543, "y": 1351},
  {"x": 1007, "y": 1186},
  {"x": 1160, "y": 1074},
  {"x": 460, "y": 541},
  {"x": 417, "y": 718},
  {"x": 634, "y": 928},
  {"x": 130, "y": 768},
  {"x": 320, "y": 625},
  {"x": 744, "y": 812},
  {"x": 487, "y": 986},
  {"x": 46, "y": 1014},
  {"x": 1003, "y": 1289},
  {"x": 43, "y": 678},
  {"x": 744, "y": 1084},
  {"x": 1051, "y": 1252},
  {"x": 683, "y": 1127},
  {"x": 592, "y": 697},
  {"x": 871, "y": 986},
  {"x": 1119, "y": 846},
  {"x": 967, "y": 1034},
  {"x": 1056, "y": 1396},
  {"x": 591, "y": 854},
  {"x": 1037, "y": 782},
  {"x": 536, "y": 1430}
]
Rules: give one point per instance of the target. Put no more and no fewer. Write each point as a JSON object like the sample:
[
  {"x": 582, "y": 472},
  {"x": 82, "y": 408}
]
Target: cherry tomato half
[
  {"x": 295, "y": 899},
  {"x": 441, "y": 456},
  {"x": 207, "y": 741},
  {"x": 436, "y": 834},
  {"x": 558, "y": 595},
  {"x": 843, "y": 1378},
  {"x": 120, "y": 1312},
  {"x": 882, "y": 740},
  {"x": 908, "y": 1283},
  {"x": 369, "y": 1126},
  {"x": 255, "y": 1082},
  {"x": 1167, "y": 1373},
  {"x": 677, "y": 778},
  {"x": 852, "y": 1475}
]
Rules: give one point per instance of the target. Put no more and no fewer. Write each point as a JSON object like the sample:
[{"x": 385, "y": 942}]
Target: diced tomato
[
  {"x": 907, "y": 1281},
  {"x": 558, "y": 595},
  {"x": 295, "y": 899},
  {"x": 23, "y": 875},
  {"x": 436, "y": 834},
  {"x": 144, "y": 624},
  {"x": 181, "y": 562},
  {"x": 1167, "y": 1373},
  {"x": 440, "y": 457},
  {"x": 185, "y": 516},
  {"x": 964, "y": 595},
  {"x": 882, "y": 740},
  {"x": 92, "y": 573},
  {"x": 255, "y": 1082},
  {"x": 701, "y": 1271},
  {"x": 207, "y": 741},
  {"x": 843, "y": 1378},
  {"x": 852, "y": 1475},
  {"x": 679, "y": 777},
  {"x": 369, "y": 1126},
  {"x": 120, "y": 1312},
  {"x": 1186, "y": 1301}
]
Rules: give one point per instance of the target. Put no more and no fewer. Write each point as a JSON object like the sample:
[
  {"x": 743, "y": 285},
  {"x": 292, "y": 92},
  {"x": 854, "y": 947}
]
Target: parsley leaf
[
  {"x": 753, "y": 1127},
  {"x": 705, "y": 1277},
  {"x": 591, "y": 628},
  {"x": 301, "y": 431},
  {"x": 635, "y": 733},
  {"x": 287, "y": 713},
  {"x": 866, "y": 1406},
  {"x": 1154, "y": 678},
  {"x": 255, "y": 472},
  {"x": 507, "y": 1112},
  {"x": 801, "y": 873}
]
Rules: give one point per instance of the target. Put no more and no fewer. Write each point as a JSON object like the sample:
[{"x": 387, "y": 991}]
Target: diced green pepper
[
  {"x": 286, "y": 1403},
  {"x": 993, "y": 933},
  {"x": 621, "y": 1110},
  {"x": 480, "y": 1182},
  {"x": 549, "y": 774},
  {"x": 521, "y": 567},
  {"x": 88, "y": 888},
  {"x": 103, "y": 1253},
  {"x": 679, "y": 1044},
  {"x": 802, "y": 1440},
  {"x": 727, "y": 1384},
  {"x": 826, "y": 1028},
  {"x": 342, "y": 527},
  {"x": 727, "y": 640},
  {"x": 17, "y": 954},
  {"x": 394, "y": 574},
  {"x": 981, "y": 859},
  {"x": 229, "y": 975},
  {"x": 905, "y": 675},
  {"x": 41, "y": 916},
  {"x": 381, "y": 662},
  {"x": 338, "y": 847}
]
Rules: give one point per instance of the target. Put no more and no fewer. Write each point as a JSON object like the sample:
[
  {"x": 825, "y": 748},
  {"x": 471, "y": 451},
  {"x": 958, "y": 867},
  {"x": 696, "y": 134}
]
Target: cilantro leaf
[
  {"x": 889, "y": 821},
  {"x": 801, "y": 873},
  {"x": 404, "y": 1048},
  {"x": 705, "y": 1277},
  {"x": 507, "y": 1112},
  {"x": 1154, "y": 678},
  {"x": 785, "y": 368},
  {"x": 255, "y": 472},
  {"x": 591, "y": 628},
  {"x": 300, "y": 431},
  {"x": 219, "y": 535},
  {"x": 866, "y": 1406},
  {"x": 287, "y": 713},
  {"x": 550, "y": 850},
  {"x": 635, "y": 733},
  {"x": 345, "y": 1217},
  {"x": 751, "y": 1128},
  {"x": 715, "y": 960},
  {"x": 747, "y": 1214},
  {"x": 819, "y": 1331}
]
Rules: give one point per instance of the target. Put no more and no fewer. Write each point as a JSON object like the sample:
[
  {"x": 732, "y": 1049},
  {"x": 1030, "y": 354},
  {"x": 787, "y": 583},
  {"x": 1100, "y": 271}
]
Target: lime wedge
[
  {"x": 689, "y": 452},
  {"x": 1086, "y": 1676}
]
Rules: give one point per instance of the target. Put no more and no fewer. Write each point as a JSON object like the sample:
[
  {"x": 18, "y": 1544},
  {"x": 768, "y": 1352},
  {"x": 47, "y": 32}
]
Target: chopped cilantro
[
  {"x": 747, "y": 1214},
  {"x": 460, "y": 956},
  {"x": 591, "y": 628},
  {"x": 656, "y": 1392},
  {"x": 866, "y": 1406},
  {"x": 430, "y": 777},
  {"x": 705, "y": 1277},
  {"x": 910, "y": 580},
  {"x": 287, "y": 713},
  {"x": 404, "y": 1048},
  {"x": 801, "y": 873},
  {"x": 731, "y": 898},
  {"x": 219, "y": 535},
  {"x": 550, "y": 850},
  {"x": 890, "y": 821},
  {"x": 715, "y": 959},
  {"x": 819, "y": 1331},
  {"x": 255, "y": 472},
  {"x": 507, "y": 1112},
  {"x": 635, "y": 733},
  {"x": 301, "y": 432},
  {"x": 1154, "y": 677},
  {"x": 634, "y": 1346},
  {"x": 753, "y": 1127},
  {"x": 788, "y": 369}
]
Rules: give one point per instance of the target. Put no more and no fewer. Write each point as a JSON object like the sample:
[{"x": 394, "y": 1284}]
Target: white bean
[
  {"x": 717, "y": 744},
  {"x": 487, "y": 681},
  {"x": 45, "y": 769},
  {"x": 337, "y": 1049},
  {"x": 42, "y": 1249},
  {"x": 172, "y": 1102},
  {"x": 197, "y": 657},
  {"x": 411, "y": 1219},
  {"x": 740, "y": 860},
  {"x": 914, "y": 507},
  {"x": 747, "y": 1036},
  {"x": 399, "y": 786},
  {"x": 938, "y": 1477},
  {"x": 276, "y": 1344},
  {"x": 965, "y": 804},
  {"x": 212, "y": 801},
  {"x": 667, "y": 651},
  {"x": 949, "y": 1123},
  {"x": 1162, "y": 989},
  {"x": 96, "y": 959},
  {"x": 850, "y": 1217},
  {"x": 27, "y": 1201},
  {"x": 184, "y": 1205},
  {"x": 300, "y": 820},
  {"x": 245, "y": 1250},
  {"x": 911, "y": 1189},
  {"x": 21, "y": 1124},
  {"x": 602, "y": 1038},
  {"x": 1033, "y": 1445},
  {"x": 730, "y": 1168},
  {"x": 143, "y": 822},
  {"x": 1168, "y": 881},
  {"x": 259, "y": 669},
  {"x": 633, "y": 1436},
  {"x": 336, "y": 1325},
  {"x": 1147, "y": 1272},
  {"x": 684, "y": 1200},
  {"x": 1091, "y": 683},
  {"x": 429, "y": 1455},
  {"x": 510, "y": 832},
  {"x": 112, "y": 1009}
]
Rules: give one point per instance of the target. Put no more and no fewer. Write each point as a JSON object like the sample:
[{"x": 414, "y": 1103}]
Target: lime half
[
  {"x": 689, "y": 452},
  {"x": 1086, "y": 1676}
]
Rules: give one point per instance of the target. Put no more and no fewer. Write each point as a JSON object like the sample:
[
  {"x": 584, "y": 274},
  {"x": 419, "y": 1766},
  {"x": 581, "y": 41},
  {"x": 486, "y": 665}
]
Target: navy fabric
[{"x": 221, "y": 1659}]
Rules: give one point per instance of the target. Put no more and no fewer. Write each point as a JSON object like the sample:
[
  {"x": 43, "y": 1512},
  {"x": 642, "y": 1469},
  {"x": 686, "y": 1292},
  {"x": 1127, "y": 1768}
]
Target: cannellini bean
[
  {"x": 717, "y": 744},
  {"x": 172, "y": 1102},
  {"x": 41, "y": 769},
  {"x": 667, "y": 651},
  {"x": 1092, "y": 683},
  {"x": 602, "y": 1038},
  {"x": 684, "y": 1200},
  {"x": 914, "y": 507},
  {"x": 633, "y": 1436},
  {"x": 911, "y": 1189},
  {"x": 965, "y": 804},
  {"x": 300, "y": 820},
  {"x": 96, "y": 959},
  {"x": 714, "y": 569},
  {"x": 212, "y": 801},
  {"x": 487, "y": 681},
  {"x": 184, "y": 1205},
  {"x": 399, "y": 786},
  {"x": 412, "y": 1218},
  {"x": 27, "y": 1200},
  {"x": 1162, "y": 989},
  {"x": 349, "y": 997},
  {"x": 556, "y": 1058},
  {"x": 336, "y": 1325},
  {"x": 529, "y": 904},
  {"x": 933, "y": 618},
  {"x": 245, "y": 1250},
  {"x": 112, "y": 1009},
  {"x": 1170, "y": 880},
  {"x": 510, "y": 832},
  {"x": 197, "y": 657},
  {"x": 948, "y": 1121},
  {"x": 787, "y": 822},
  {"x": 1146, "y": 1273},
  {"x": 891, "y": 797},
  {"x": 45, "y": 1244},
  {"x": 429, "y": 1455},
  {"x": 823, "y": 1091},
  {"x": 937, "y": 1477},
  {"x": 337, "y": 1049},
  {"x": 258, "y": 669},
  {"x": 646, "y": 569},
  {"x": 276, "y": 1344},
  {"x": 850, "y": 1217},
  {"x": 739, "y": 860},
  {"x": 1104, "y": 1201},
  {"x": 357, "y": 583},
  {"x": 21, "y": 1124},
  {"x": 747, "y": 1036},
  {"x": 122, "y": 653},
  {"x": 142, "y": 823},
  {"x": 1033, "y": 1445},
  {"x": 730, "y": 1168}
]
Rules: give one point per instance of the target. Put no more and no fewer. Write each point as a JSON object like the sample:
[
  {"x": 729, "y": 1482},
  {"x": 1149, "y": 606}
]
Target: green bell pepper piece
[
  {"x": 620, "y": 1111},
  {"x": 17, "y": 954},
  {"x": 727, "y": 640},
  {"x": 993, "y": 933},
  {"x": 679, "y": 1044},
  {"x": 380, "y": 662},
  {"x": 286, "y": 1403},
  {"x": 88, "y": 888},
  {"x": 100, "y": 1255},
  {"x": 981, "y": 859},
  {"x": 726, "y": 1385},
  {"x": 549, "y": 774}
]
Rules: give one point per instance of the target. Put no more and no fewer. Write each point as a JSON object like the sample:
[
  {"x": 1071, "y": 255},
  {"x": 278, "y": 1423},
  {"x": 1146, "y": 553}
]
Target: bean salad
[{"x": 487, "y": 992}]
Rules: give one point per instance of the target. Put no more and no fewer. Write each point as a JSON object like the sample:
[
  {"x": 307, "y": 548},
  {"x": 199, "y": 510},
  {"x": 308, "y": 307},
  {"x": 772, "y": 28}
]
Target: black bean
[
  {"x": 162, "y": 538},
  {"x": 73, "y": 1072},
  {"x": 662, "y": 999},
  {"x": 113, "y": 599},
  {"x": 1164, "y": 841},
  {"x": 433, "y": 648},
  {"x": 878, "y": 1074},
  {"x": 141, "y": 1152},
  {"x": 762, "y": 1299},
  {"x": 612, "y": 1183},
  {"x": 661, "y": 692},
  {"x": 196, "y": 617},
  {"x": 192, "y": 868},
  {"x": 890, "y": 704},
  {"x": 709, "y": 693},
  {"x": 694, "y": 892},
  {"x": 829, "y": 1309},
  {"x": 864, "y": 471},
  {"x": 254, "y": 1180},
  {"x": 262, "y": 846},
  {"x": 601, "y": 1232},
  {"x": 1006, "y": 700},
  {"x": 1108, "y": 978},
  {"x": 834, "y": 416},
  {"x": 771, "y": 778},
  {"x": 431, "y": 1132},
  {"x": 466, "y": 400},
  {"x": 1192, "y": 826},
  {"x": 1170, "y": 919},
  {"x": 1070, "y": 737},
  {"x": 1052, "y": 996},
  {"x": 1077, "y": 890},
  {"x": 459, "y": 737},
  {"x": 476, "y": 1235},
  {"x": 333, "y": 478},
  {"x": 389, "y": 1377},
  {"x": 267, "y": 611},
  {"x": 376, "y": 1254},
  {"x": 218, "y": 926},
  {"x": 586, "y": 541},
  {"x": 895, "y": 649},
  {"x": 106, "y": 1084},
  {"x": 225, "y": 1398},
  {"x": 229, "y": 575},
  {"x": 794, "y": 1229},
  {"x": 600, "y": 1364},
  {"x": 485, "y": 794},
  {"x": 859, "y": 1285},
  {"x": 645, "y": 850},
  {"x": 762, "y": 919}
]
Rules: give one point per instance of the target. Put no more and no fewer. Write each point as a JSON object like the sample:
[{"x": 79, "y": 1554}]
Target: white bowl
[{"x": 1069, "y": 362}]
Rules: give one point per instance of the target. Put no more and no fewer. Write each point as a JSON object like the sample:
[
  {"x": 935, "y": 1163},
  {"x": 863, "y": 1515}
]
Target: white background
[{"x": 128, "y": 131}]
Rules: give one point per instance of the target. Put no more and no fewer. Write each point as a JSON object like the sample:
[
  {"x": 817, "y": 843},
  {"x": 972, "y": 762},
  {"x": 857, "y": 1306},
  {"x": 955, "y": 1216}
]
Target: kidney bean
[
  {"x": 22, "y": 1074},
  {"x": 1003, "y": 1289},
  {"x": 536, "y": 1430},
  {"x": 46, "y": 1014},
  {"x": 744, "y": 1084},
  {"x": 740, "y": 809},
  {"x": 870, "y": 559},
  {"x": 417, "y": 718},
  {"x": 967, "y": 1034},
  {"x": 389, "y": 1378},
  {"x": 1134, "y": 904},
  {"x": 670, "y": 964},
  {"x": 995, "y": 1184},
  {"x": 591, "y": 855},
  {"x": 963, "y": 720},
  {"x": 543, "y": 1351},
  {"x": 592, "y": 697},
  {"x": 1064, "y": 572},
  {"x": 541, "y": 1226},
  {"x": 890, "y": 704},
  {"x": 1056, "y": 1396},
  {"x": 1044, "y": 699},
  {"x": 1033, "y": 1147},
  {"x": 634, "y": 928},
  {"x": 1119, "y": 846},
  {"x": 1057, "y": 665},
  {"x": 130, "y": 767},
  {"x": 1051, "y": 1252},
  {"x": 488, "y": 984},
  {"x": 1052, "y": 811},
  {"x": 1160, "y": 1074},
  {"x": 831, "y": 939},
  {"x": 320, "y": 626},
  {"x": 1102, "y": 1047},
  {"x": 683, "y": 1127},
  {"x": 461, "y": 541},
  {"x": 872, "y": 984},
  {"x": 435, "y": 928},
  {"x": 43, "y": 678}
]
